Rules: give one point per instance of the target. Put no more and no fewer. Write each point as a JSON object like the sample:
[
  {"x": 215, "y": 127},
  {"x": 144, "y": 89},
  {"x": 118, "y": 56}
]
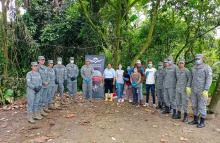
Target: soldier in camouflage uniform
[
  {"x": 43, "y": 70},
  {"x": 169, "y": 84},
  {"x": 201, "y": 82},
  {"x": 52, "y": 86},
  {"x": 61, "y": 76},
  {"x": 159, "y": 85},
  {"x": 87, "y": 73},
  {"x": 72, "y": 74},
  {"x": 34, "y": 85},
  {"x": 182, "y": 90}
]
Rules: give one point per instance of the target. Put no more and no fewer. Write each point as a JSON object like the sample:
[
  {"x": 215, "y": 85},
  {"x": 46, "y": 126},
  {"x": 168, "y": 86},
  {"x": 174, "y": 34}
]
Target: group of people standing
[{"x": 173, "y": 85}]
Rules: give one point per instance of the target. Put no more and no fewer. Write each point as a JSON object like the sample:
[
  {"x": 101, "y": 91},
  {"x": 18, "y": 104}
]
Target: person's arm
[
  {"x": 65, "y": 73},
  {"x": 82, "y": 73},
  {"x": 139, "y": 78},
  {"x": 188, "y": 75},
  {"x": 131, "y": 77},
  {"x": 77, "y": 71},
  {"x": 208, "y": 78},
  {"x": 28, "y": 80},
  {"x": 114, "y": 76}
]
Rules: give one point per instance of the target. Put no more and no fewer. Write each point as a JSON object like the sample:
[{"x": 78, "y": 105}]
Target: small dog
[{"x": 109, "y": 97}]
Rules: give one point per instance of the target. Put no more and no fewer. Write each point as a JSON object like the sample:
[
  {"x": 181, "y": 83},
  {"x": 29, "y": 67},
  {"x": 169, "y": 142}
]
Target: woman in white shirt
[
  {"x": 120, "y": 83},
  {"x": 150, "y": 82},
  {"x": 109, "y": 78}
]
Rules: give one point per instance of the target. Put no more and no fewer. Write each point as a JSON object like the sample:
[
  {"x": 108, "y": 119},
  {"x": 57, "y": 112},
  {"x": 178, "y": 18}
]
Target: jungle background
[{"x": 122, "y": 30}]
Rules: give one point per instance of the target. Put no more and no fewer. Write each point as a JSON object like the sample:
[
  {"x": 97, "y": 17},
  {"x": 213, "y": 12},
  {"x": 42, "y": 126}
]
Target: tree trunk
[
  {"x": 150, "y": 33},
  {"x": 5, "y": 4},
  {"x": 215, "y": 98}
]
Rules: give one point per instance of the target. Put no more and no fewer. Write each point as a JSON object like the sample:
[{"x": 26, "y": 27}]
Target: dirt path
[{"x": 104, "y": 122}]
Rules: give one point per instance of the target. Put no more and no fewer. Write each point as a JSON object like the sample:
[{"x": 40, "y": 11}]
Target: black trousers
[{"x": 109, "y": 85}]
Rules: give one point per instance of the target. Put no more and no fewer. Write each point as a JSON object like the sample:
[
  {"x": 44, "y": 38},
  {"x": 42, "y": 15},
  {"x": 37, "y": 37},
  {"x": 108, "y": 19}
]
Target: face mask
[
  {"x": 169, "y": 62},
  {"x": 135, "y": 70},
  {"x": 198, "y": 61},
  {"x": 150, "y": 65},
  {"x": 72, "y": 61},
  {"x": 120, "y": 67},
  {"x": 160, "y": 67},
  {"x": 59, "y": 62}
]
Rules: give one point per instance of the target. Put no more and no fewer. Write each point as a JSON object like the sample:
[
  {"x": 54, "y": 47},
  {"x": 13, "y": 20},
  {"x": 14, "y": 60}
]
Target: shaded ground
[{"x": 103, "y": 122}]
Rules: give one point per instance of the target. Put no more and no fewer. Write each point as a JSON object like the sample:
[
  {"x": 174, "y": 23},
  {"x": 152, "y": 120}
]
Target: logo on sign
[{"x": 96, "y": 60}]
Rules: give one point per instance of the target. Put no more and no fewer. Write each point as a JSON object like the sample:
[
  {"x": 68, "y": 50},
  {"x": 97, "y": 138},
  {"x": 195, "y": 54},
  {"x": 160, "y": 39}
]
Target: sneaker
[
  {"x": 122, "y": 100},
  {"x": 154, "y": 105},
  {"x": 146, "y": 105},
  {"x": 130, "y": 100},
  {"x": 119, "y": 100}
]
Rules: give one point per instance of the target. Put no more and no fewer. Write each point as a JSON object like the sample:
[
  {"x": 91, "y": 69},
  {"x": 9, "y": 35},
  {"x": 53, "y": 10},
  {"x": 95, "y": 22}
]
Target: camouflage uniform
[
  {"x": 72, "y": 74},
  {"x": 61, "y": 76},
  {"x": 34, "y": 85},
  {"x": 86, "y": 73},
  {"x": 201, "y": 82}
]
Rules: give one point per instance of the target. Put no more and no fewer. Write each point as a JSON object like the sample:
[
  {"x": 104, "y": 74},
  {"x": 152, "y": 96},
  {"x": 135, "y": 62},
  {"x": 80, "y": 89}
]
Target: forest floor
[{"x": 103, "y": 122}]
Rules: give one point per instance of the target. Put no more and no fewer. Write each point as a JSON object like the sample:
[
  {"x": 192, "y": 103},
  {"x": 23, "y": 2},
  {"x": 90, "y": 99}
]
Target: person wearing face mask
[
  {"x": 201, "y": 82},
  {"x": 140, "y": 69},
  {"x": 120, "y": 83},
  {"x": 150, "y": 82},
  {"x": 127, "y": 85},
  {"x": 43, "y": 70},
  {"x": 169, "y": 84},
  {"x": 159, "y": 85},
  {"x": 34, "y": 85},
  {"x": 183, "y": 90},
  {"x": 109, "y": 78},
  {"x": 135, "y": 83},
  {"x": 52, "y": 86},
  {"x": 87, "y": 72},
  {"x": 61, "y": 76},
  {"x": 72, "y": 74}
]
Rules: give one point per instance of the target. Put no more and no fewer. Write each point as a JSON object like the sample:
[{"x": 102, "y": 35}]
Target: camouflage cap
[
  {"x": 170, "y": 58},
  {"x": 59, "y": 59},
  {"x": 199, "y": 56},
  {"x": 87, "y": 60},
  {"x": 160, "y": 64},
  {"x": 181, "y": 60},
  {"x": 71, "y": 58},
  {"x": 34, "y": 63},
  {"x": 41, "y": 58},
  {"x": 138, "y": 62},
  {"x": 165, "y": 61},
  {"x": 50, "y": 61}
]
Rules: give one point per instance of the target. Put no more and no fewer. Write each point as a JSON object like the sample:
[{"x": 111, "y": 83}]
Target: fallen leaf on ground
[
  {"x": 34, "y": 128},
  {"x": 155, "y": 126},
  {"x": 163, "y": 140},
  {"x": 40, "y": 139},
  {"x": 176, "y": 124},
  {"x": 183, "y": 139},
  {"x": 114, "y": 139},
  {"x": 70, "y": 115}
]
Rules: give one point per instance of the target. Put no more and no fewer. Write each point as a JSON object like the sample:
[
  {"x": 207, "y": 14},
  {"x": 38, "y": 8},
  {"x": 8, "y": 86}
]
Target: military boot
[
  {"x": 185, "y": 118},
  {"x": 30, "y": 118},
  {"x": 174, "y": 116},
  {"x": 37, "y": 116},
  {"x": 178, "y": 115},
  {"x": 43, "y": 113},
  {"x": 195, "y": 121},
  {"x": 202, "y": 123},
  {"x": 166, "y": 110},
  {"x": 51, "y": 107},
  {"x": 46, "y": 110}
]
